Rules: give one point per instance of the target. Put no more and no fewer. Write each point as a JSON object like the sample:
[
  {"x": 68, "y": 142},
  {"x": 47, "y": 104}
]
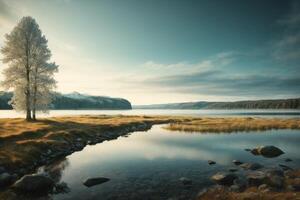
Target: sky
[{"x": 165, "y": 51}]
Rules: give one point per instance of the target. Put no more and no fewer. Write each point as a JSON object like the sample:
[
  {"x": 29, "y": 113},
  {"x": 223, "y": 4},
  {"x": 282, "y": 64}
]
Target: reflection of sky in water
[
  {"x": 147, "y": 162},
  {"x": 202, "y": 112}
]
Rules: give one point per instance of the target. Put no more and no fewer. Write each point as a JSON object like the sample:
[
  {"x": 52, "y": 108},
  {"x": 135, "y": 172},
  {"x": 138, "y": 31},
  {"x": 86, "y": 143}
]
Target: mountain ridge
[
  {"x": 76, "y": 101},
  {"x": 293, "y": 103}
]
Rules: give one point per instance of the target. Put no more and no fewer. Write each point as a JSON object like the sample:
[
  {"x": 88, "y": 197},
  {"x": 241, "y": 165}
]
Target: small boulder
[
  {"x": 6, "y": 179},
  {"x": 251, "y": 166},
  {"x": 288, "y": 160},
  {"x": 237, "y": 162},
  {"x": 285, "y": 167},
  {"x": 185, "y": 181},
  {"x": 293, "y": 187},
  {"x": 263, "y": 187},
  {"x": 276, "y": 181},
  {"x": 255, "y": 151},
  {"x": 256, "y": 178},
  {"x": 239, "y": 184},
  {"x": 267, "y": 151},
  {"x": 235, "y": 188},
  {"x": 211, "y": 162},
  {"x": 61, "y": 188},
  {"x": 223, "y": 178},
  {"x": 274, "y": 172},
  {"x": 35, "y": 183},
  {"x": 2, "y": 170},
  {"x": 232, "y": 169},
  {"x": 247, "y": 149},
  {"x": 95, "y": 181}
]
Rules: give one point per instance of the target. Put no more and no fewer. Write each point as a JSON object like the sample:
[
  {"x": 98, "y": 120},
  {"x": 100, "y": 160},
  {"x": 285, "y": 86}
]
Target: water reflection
[
  {"x": 55, "y": 170},
  {"x": 203, "y": 112},
  {"x": 150, "y": 164}
]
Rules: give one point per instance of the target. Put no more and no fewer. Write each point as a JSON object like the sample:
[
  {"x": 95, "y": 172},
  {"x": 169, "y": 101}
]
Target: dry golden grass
[
  {"x": 17, "y": 126},
  {"x": 227, "y": 125}
]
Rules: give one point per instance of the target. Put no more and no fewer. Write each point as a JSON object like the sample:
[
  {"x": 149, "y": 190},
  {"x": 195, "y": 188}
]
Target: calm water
[
  {"x": 148, "y": 165},
  {"x": 257, "y": 112}
]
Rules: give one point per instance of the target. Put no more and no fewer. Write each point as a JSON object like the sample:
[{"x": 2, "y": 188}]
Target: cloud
[
  {"x": 216, "y": 61},
  {"x": 213, "y": 77},
  {"x": 220, "y": 83},
  {"x": 8, "y": 14},
  {"x": 287, "y": 47}
]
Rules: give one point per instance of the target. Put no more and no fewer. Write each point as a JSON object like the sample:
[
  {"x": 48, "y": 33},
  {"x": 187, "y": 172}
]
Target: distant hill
[
  {"x": 75, "y": 100},
  {"x": 256, "y": 104}
]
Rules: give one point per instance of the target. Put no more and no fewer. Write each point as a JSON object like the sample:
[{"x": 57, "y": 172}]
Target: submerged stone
[
  {"x": 211, "y": 162},
  {"x": 95, "y": 181},
  {"x": 237, "y": 162},
  {"x": 285, "y": 167},
  {"x": 267, "y": 151},
  {"x": 256, "y": 178},
  {"x": 232, "y": 169},
  {"x": 251, "y": 166},
  {"x": 6, "y": 179},
  {"x": 223, "y": 178},
  {"x": 34, "y": 183},
  {"x": 288, "y": 160},
  {"x": 185, "y": 181}
]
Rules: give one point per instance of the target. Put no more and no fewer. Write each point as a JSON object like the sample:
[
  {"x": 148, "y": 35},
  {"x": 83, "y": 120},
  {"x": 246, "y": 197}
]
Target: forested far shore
[
  {"x": 74, "y": 101},
  {"x": 254, "y": 104}
]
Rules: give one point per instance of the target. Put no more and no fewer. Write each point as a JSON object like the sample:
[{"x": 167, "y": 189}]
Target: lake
[
  {"x": 148, "y": 165},
  {"x": 202, "y": 112}
]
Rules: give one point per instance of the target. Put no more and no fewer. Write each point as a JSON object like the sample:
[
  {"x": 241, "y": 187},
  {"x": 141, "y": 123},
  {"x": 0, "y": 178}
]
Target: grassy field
[{"x": 228, "y": 125}]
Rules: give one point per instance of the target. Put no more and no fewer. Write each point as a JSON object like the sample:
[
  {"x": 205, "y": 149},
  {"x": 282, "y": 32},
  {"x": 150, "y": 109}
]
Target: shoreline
[
  {"x": 25, "y": 146},
  {"x": 45, "y": 144}
]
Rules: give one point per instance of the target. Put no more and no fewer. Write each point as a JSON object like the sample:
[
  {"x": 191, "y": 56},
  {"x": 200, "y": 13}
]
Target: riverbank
[
  {"x": 233, "y": 124},
  {"x": 24, "y": 146}
]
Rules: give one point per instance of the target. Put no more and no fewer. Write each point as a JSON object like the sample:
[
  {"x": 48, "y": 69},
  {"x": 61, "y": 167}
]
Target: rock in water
[
  {"x": 255, "y": 151},
  {"x": 285, "y": 167},
  {"x": 34, "y": 183},
  {"x": 267, "y": 151},
  {"x": 251, "y": 166},
  {"x": 256, "y": 178},
  {"x": 232, "y": 169},
  {"x": 222, "y": 178},
  {"x": 211, "y": 162},
  {"x": 185, "y": 181},
  {"x": 237, "y": 162},
  {"x": 5, "y": 179},
  {"x": 276, "y": 181},
  {"x": 270, "y": 151},
  {"x": 95, "y": 181}
]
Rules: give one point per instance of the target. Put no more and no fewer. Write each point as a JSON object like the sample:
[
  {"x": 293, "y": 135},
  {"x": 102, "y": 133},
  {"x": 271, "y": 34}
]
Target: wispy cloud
[
  {"x": 212, "y": 77},
  {"x": 287, "y": 47}
]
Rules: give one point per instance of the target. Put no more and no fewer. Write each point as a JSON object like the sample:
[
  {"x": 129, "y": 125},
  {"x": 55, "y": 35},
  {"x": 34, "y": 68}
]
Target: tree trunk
[
  {"x": 27, "y": 92},
  {"x": 34, "y": 98}
]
